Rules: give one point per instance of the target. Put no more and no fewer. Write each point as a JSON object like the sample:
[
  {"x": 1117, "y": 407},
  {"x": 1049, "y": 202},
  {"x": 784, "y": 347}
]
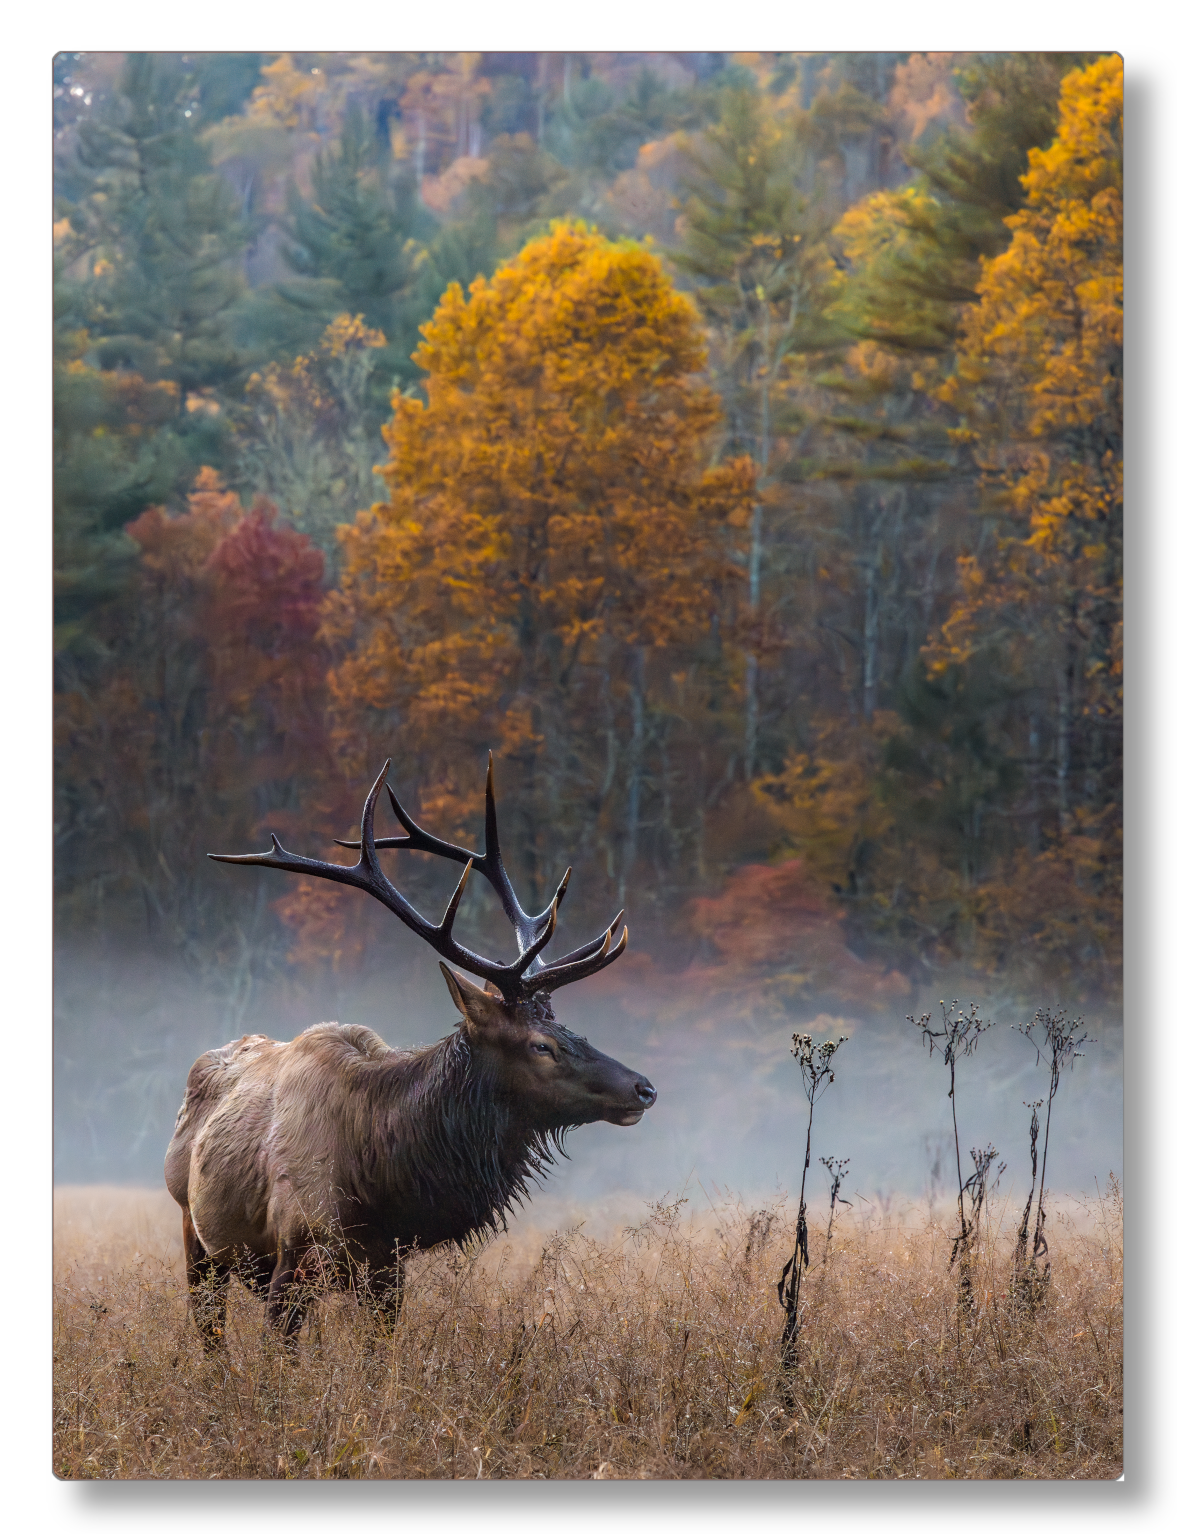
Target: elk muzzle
[{"x": 642, "y": 1095}]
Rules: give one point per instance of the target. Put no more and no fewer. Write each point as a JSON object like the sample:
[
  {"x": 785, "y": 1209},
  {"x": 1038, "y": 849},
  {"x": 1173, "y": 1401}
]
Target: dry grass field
[{"x": 650, "y": 1354}]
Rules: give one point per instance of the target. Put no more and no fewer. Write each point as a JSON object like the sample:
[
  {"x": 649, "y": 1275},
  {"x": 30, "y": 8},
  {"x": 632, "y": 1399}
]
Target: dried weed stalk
[
  {"x": 1061, "y": 1042},
  {"x": 956, "y": 1038},
  {"x": 816, "y": 1076},
  {"x": 1022, "y": 1291},
  {"x": 977, "y": 1187},
  {"x": 837, "y": 1171}
]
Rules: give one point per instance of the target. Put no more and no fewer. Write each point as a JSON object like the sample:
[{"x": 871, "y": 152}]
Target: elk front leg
[
  {"x": 207, "y": 1280},
  {"x": 289, "y": 1298},
  {"x": 387, "y": 1293}
]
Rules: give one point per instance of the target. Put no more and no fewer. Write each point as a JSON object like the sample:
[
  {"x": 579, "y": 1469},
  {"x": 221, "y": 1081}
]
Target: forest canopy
[{"x": 731, "y": 442}]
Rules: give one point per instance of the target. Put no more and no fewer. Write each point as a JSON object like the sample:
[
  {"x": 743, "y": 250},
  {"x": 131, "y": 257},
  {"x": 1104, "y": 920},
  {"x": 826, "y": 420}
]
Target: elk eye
[{"x": 542, "y": 1049}]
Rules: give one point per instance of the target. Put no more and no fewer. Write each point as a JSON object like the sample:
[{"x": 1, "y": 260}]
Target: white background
[{"x": 31, "y": 1498}]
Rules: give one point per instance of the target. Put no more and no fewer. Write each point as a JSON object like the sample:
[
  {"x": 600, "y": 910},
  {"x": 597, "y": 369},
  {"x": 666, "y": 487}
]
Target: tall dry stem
[
  {"x": 956, "y": 1038},
  {"x": 1021, "y": 1292},
  {"x": 837, "y": 1171},
  {"x": 816, "y": 1076},
  {"x": 1061, "y": 1041}
]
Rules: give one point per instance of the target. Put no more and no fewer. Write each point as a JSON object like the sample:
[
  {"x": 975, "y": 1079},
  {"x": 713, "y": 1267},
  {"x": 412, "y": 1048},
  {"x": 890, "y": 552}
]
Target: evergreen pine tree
[
  {"x": 147, "y": 242},
  {"x": 156, "y": 232},
  {"x": 915, "y": 253},
  {"x": 355, "y": 244}
]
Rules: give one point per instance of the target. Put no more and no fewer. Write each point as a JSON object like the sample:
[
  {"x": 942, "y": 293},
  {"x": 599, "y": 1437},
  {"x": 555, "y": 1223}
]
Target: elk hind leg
[{"x": 207, "y": 1281}]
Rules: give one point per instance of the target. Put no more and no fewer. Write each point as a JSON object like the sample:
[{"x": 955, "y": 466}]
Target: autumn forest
[{"x": 729, "y": 442}]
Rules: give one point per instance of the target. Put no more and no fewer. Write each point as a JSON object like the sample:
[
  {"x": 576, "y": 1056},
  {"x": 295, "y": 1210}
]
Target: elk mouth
[
  {"x": 625, "y": 1116},
  {"x": 646, "y": 1095}
]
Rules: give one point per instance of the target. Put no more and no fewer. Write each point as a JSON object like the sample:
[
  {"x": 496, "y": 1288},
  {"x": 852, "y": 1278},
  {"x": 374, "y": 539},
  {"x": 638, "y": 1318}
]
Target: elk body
[{"x": 323, "y": 1160}]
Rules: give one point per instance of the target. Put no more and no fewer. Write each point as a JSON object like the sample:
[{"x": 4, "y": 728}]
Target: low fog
[{"x": 730, "y": 1115}]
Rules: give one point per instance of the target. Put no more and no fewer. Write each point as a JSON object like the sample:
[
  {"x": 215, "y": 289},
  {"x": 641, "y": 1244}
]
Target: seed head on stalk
[
  {"x": 1061, "y": 1040},
  {"x": 837, "y": 1171},
  {"x": 817, "y": 1074},
  {"x": 956, "y": 1038}
]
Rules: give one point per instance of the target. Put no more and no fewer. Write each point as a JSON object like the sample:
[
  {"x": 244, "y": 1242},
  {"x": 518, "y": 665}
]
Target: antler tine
[
  {"x": 368, "y": 826},
  {"x": 293, "y": 862},
  {"x": 588, "y": 948},
  {"x": 417, "y": 840},
  {"x": 367, "y": 875},
  {"x": 398, "y": 810},
  {"x": 556, "y": 975},
  {"x": 528, "y": 929},
  {"x": 493, "y": 856},
  {"x": 451, "y": 910}
]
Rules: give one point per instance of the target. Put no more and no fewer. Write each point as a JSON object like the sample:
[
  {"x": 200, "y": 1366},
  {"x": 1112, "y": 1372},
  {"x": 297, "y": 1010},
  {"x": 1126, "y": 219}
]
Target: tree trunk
[
  {"x": 751, "y": 701},
  {"x": 1063, "y": 745},
  {"x": 751, "y": 711},
  {"x": 870, "y": 641},
  {"x": 633, "y": 805},
  {"x": 1035, "y": 814}
]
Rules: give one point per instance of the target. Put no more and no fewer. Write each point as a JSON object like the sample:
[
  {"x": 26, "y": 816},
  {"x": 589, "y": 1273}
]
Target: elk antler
[{"x": 528, "y": 974}]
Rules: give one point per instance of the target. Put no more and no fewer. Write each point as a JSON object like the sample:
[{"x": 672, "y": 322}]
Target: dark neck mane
[{"x": 448, "y": 1139}]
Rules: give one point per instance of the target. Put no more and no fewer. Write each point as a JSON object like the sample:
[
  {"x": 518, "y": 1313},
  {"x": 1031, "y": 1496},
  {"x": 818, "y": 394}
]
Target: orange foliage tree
[
  {"x": 774, "y": 935},
  {"x": 547, "y": 562},
  {"x": 209, "y": 726}
]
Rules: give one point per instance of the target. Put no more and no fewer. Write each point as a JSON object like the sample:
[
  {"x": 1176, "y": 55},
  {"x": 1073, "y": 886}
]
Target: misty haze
[{"x": 730, "y": 1112}]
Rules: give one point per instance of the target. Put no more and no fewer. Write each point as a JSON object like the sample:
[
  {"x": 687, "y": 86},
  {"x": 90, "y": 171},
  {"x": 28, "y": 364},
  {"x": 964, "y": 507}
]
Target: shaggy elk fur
[{"x": 323, "y": 1160}]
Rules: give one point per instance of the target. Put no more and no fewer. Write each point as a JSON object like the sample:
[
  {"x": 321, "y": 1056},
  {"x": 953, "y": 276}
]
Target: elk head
[{"x": 555, "y": 1077}]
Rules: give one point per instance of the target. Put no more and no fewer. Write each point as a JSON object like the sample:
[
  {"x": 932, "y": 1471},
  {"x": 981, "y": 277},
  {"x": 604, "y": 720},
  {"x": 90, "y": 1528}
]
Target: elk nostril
[{"x": 645, "y": 1093}]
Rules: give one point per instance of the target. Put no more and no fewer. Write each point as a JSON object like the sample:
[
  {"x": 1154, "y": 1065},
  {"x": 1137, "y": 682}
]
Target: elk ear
[{"x": 480, "y": 1009}]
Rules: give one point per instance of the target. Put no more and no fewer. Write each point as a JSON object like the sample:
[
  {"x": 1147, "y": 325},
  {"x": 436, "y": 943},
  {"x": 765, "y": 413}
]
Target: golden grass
[{"x": 651, "y": 1354}]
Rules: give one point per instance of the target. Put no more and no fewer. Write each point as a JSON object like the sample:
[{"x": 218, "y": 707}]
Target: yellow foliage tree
[
  {"x": 288, "y": 95},
  {"x": 1038, "y": 385},
  {"x": 549, "y": 545}
]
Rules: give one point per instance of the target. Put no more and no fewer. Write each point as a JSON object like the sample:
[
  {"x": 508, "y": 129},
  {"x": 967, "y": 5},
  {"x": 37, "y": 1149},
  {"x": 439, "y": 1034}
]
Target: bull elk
[{"x": 330, "y": 1156}]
